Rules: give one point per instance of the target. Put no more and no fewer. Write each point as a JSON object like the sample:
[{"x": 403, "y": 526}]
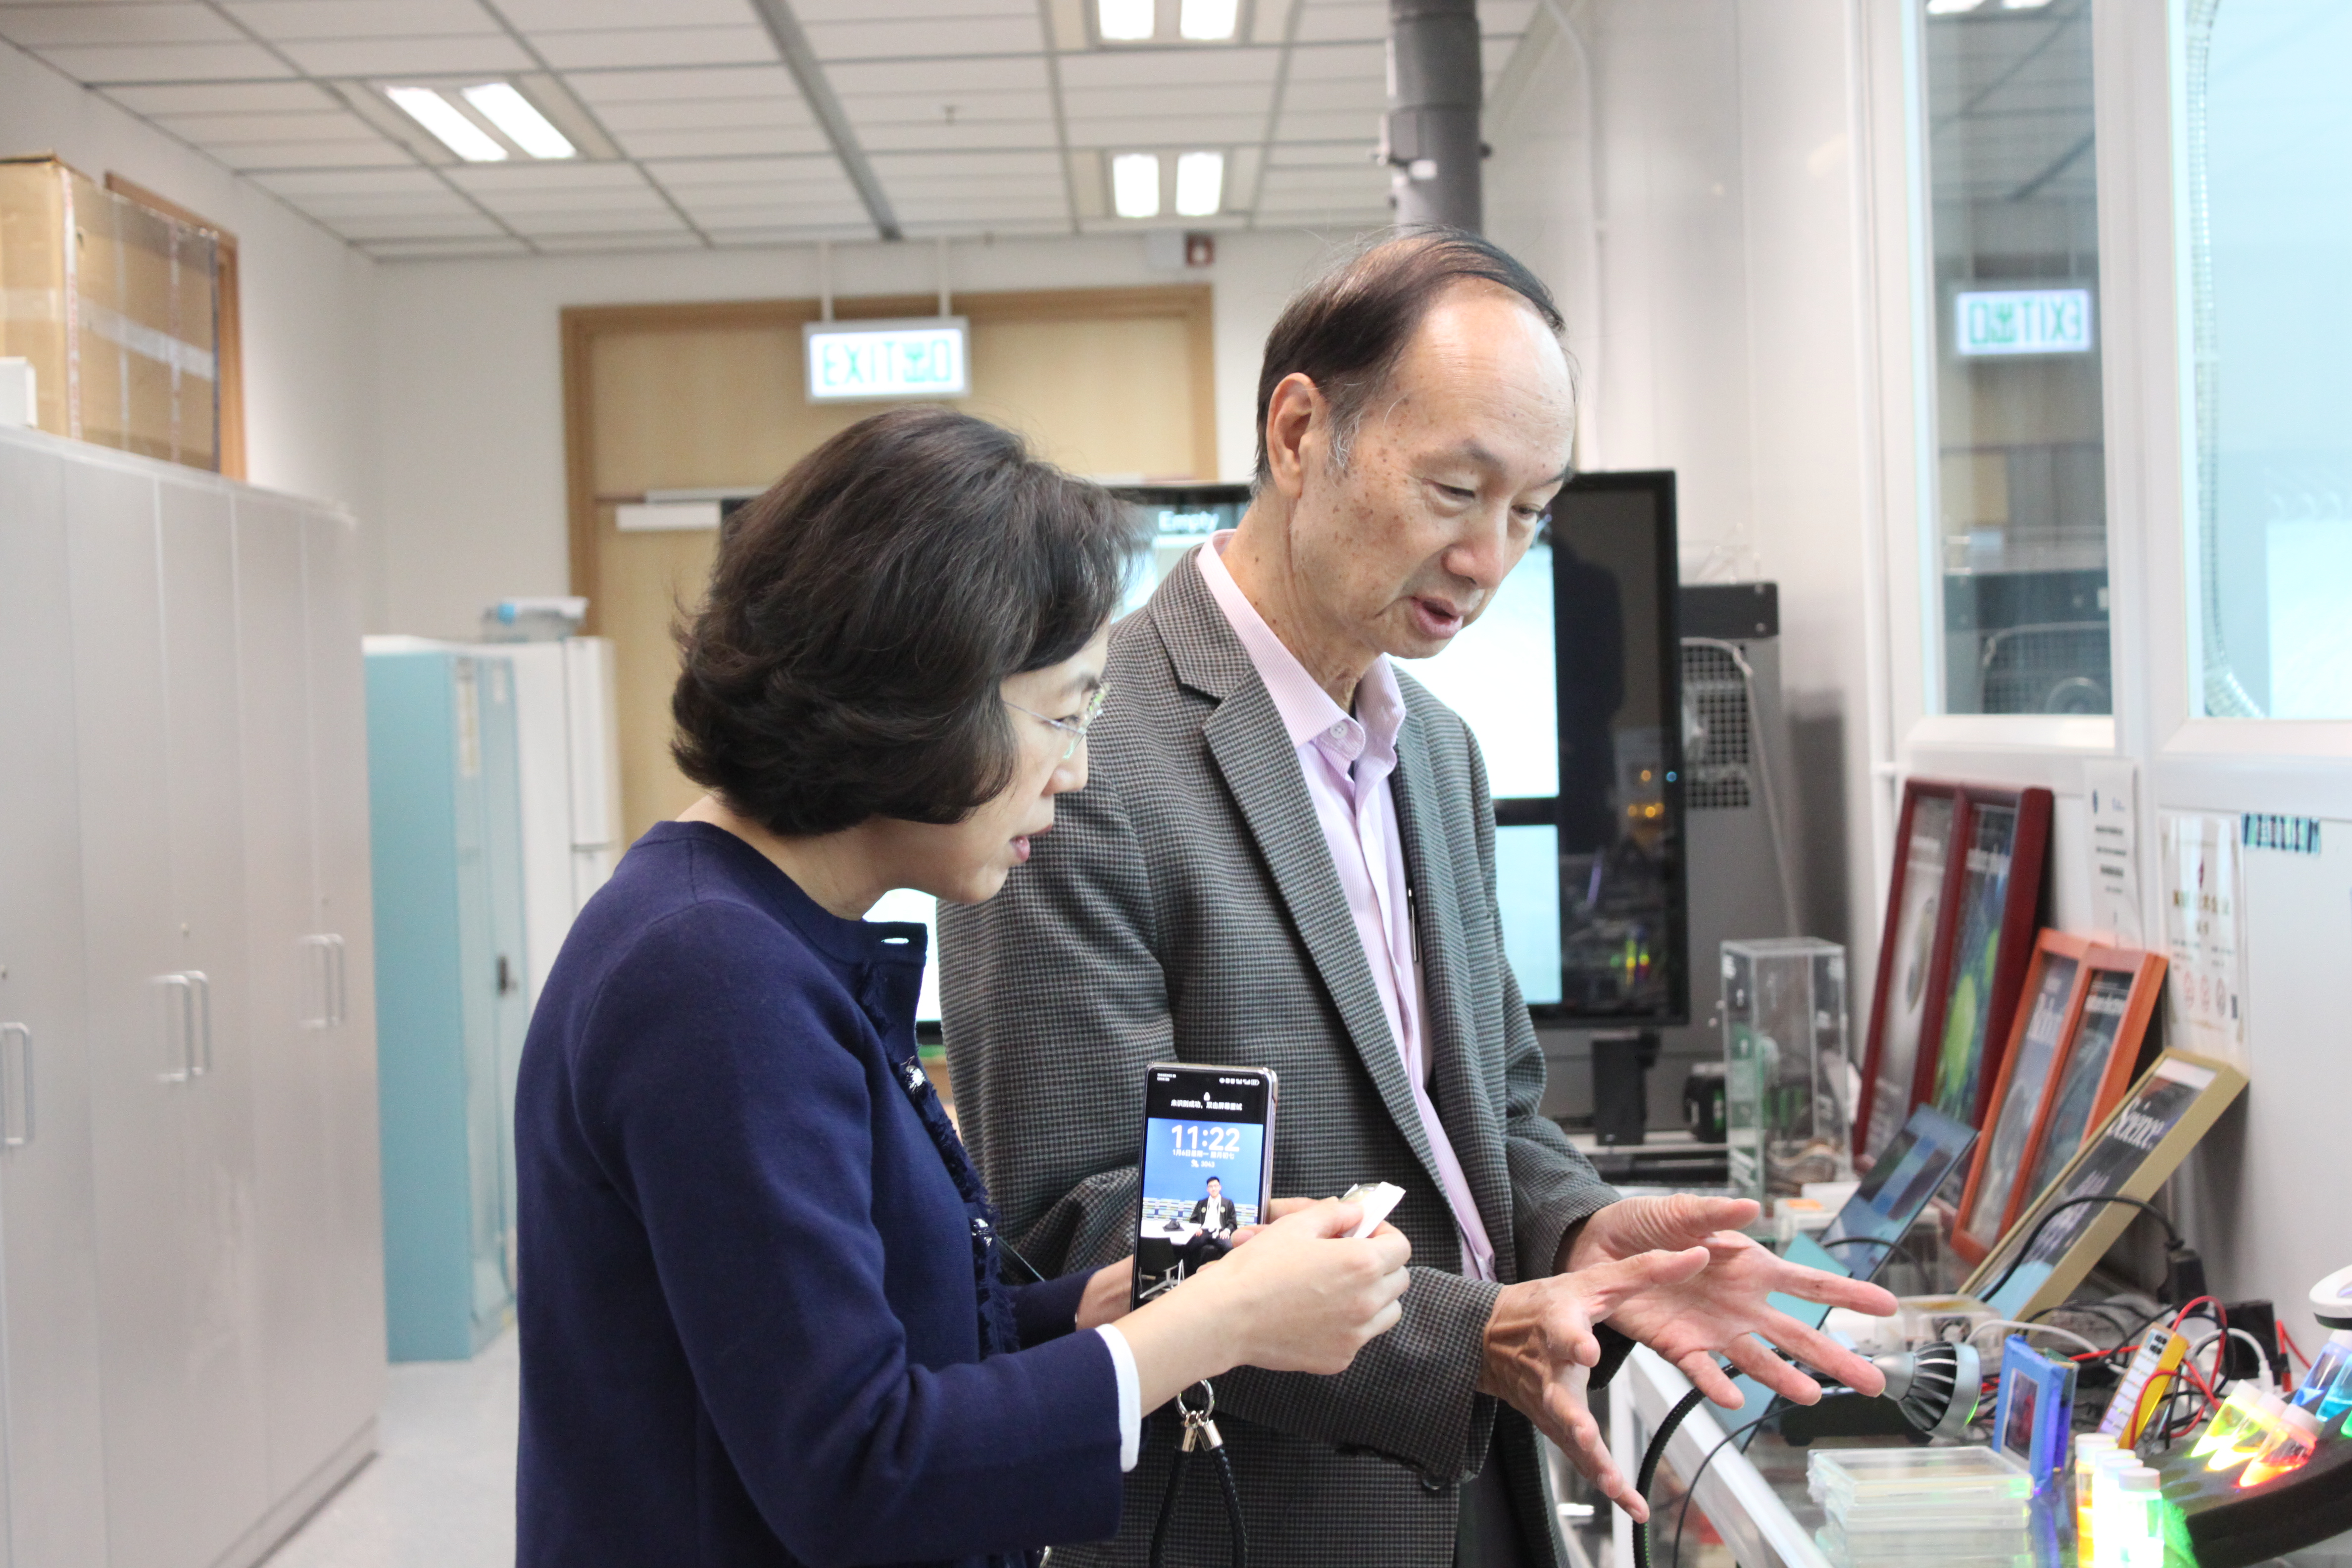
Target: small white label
[{"x": 875, "y": 360}]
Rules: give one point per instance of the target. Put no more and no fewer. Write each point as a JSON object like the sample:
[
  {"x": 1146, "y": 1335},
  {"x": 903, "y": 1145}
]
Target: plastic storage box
[{"x": 1788, "y": 1095}]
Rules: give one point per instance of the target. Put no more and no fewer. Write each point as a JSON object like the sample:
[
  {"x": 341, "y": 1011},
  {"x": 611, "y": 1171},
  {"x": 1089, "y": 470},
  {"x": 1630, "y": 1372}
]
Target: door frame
[{"x": 1192, "y": 303}]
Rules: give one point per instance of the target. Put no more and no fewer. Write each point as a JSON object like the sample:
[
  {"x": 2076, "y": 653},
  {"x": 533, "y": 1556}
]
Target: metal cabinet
[
  {"x": 53, "y": 1505},
  {"x": 192, "y": 1355},
  {"x": 451, "y": 1008}
]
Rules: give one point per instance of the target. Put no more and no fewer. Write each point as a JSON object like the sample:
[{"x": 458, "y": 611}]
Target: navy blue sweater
[{"x": 746, "y": 1284}]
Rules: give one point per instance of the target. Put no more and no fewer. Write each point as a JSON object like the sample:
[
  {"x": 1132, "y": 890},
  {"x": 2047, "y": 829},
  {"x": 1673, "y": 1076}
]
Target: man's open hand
[
  {"x": 1541, "y": 1332},
  {"x": 1721, "y": 1310}
]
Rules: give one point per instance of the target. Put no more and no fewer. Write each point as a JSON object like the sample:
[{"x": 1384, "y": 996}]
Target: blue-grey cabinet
[{"x": 451, "y": 1005}]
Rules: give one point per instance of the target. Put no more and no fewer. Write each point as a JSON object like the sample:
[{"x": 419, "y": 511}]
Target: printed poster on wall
[{"x": 2205, "y": 935}]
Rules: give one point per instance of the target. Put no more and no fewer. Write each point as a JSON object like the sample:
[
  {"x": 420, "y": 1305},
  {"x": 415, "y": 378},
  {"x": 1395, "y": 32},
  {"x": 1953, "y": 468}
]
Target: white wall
[
  {"x": 469, "y": 360},
  {"x": 1729, "y": 334},
  {"x": 307, "y": 299}
]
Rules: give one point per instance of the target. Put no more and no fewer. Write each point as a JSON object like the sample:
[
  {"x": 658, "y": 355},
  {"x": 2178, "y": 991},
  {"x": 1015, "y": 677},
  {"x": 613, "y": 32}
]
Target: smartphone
[{"x": 1205, "y": 1160}]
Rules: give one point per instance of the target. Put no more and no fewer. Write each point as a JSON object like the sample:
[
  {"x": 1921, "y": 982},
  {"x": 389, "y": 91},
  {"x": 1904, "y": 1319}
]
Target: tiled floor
[{"x": 440, "y": 1492}]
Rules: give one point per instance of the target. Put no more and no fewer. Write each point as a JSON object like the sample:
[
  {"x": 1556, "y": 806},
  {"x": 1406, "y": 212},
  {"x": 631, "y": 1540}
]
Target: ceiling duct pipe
[{"x": 1430, "y": 138}]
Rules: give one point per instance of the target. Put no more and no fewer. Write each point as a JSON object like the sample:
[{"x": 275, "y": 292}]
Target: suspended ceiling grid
[{"x": 973, "y": 116}]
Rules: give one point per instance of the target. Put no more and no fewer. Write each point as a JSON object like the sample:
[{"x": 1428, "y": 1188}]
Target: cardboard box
[{"x": 116, "y": 307}]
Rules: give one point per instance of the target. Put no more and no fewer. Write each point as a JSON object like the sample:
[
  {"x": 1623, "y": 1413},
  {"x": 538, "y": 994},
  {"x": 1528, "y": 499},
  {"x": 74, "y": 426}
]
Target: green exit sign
[
  {"x": 928, "y": 356},
  {"x": 2013, "y": 321}
]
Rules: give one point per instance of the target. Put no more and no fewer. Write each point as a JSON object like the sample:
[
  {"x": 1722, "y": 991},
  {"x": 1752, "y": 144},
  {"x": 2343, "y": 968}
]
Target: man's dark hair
[
  {"x": 1214, "y": 1179},
  {"x": 863, "y": 611},
  {"x": 1346, "y": 330}
]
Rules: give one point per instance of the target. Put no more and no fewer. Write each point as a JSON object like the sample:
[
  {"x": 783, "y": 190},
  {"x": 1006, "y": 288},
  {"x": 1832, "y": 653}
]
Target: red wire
[
  {"x": 2220, "y": 1317},
  {"x": 2293, "y": 1348}
]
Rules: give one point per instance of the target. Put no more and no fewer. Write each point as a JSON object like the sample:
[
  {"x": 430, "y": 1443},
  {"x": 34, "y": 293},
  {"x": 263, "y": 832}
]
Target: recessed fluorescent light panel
[
  {"x": 1207, "y": 21},
  {"x": 447, "y": 123},
  {"x": 1135, "y": 184},
  {"x": 1126, "y": 21},
  {"x": 525, "y": 126},
  {"x": 1200, "y": 183}
]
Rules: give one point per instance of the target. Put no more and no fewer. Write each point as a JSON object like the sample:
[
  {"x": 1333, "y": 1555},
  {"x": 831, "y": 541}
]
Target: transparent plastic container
[
  {"x": 2229, "y": 1421},
  {"x": 2251, "y": 1437},
  {"x": 1928, "y": 1492},
  {"x": 2089, "y": 1447},
  {"x": 2292, "y": 1442},
  {"x": 1787, "y": 1080},
  {"x": 2334, "y": 1357}
]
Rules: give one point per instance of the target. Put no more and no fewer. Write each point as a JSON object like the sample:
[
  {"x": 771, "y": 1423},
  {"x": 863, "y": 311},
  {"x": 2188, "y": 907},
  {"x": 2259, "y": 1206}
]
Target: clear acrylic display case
[{"x": 1786, "y": 1077}]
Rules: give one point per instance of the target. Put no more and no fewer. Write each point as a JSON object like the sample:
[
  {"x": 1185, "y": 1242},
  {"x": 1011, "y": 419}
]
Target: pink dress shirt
[{"x": 1348, "y": 760}]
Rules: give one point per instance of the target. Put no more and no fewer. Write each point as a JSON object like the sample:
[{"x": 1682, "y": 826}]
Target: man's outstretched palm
[{"x": 1722, "y": 1309}]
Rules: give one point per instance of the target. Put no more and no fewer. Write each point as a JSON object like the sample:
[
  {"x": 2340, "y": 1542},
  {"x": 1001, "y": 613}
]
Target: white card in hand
[{"x": 1378, "y": 1198}]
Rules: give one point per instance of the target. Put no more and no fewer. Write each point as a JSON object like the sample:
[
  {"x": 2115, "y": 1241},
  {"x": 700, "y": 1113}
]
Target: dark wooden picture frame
[
  {"x": 1914, "y": 958},
  {"x": 2122, "y": 987},
  {"x": 1996, "y": 915},
  {"x": 2048, "y": 1004}
]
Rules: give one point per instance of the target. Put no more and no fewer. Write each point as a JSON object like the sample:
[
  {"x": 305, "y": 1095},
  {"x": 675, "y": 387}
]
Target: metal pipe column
[{"x": 1430, "y": 135}]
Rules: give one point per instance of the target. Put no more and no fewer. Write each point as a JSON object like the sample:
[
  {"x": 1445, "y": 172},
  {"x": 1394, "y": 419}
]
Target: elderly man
[{"x": 1287, "y": 859}]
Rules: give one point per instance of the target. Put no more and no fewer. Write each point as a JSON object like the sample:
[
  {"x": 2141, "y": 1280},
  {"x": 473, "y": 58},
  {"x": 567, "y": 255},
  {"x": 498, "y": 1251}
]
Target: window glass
[
  {"x": 2020, "y": 514},
  {"x": 2268, "y": 155}
]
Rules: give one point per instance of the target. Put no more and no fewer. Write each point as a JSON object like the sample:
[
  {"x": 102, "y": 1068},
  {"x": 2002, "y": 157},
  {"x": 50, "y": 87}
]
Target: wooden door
[{"x": 1108, "y": 382}]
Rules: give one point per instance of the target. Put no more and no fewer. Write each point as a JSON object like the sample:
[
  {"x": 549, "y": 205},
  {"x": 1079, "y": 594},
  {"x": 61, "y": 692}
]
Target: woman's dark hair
[
  {"x": 1346, "y": 330},
  {"x": 863, "y": 611}
]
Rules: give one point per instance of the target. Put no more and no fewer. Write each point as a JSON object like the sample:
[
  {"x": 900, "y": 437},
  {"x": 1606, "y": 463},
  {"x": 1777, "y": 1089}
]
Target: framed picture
[
  {"x": 2004, "y": 837},
  {"x": 2054, "y": 982},
  {"x": 2121, "y": 989},
  {"x": 2140, "y": 1143},
  {"x": 1913, "y": 954}
]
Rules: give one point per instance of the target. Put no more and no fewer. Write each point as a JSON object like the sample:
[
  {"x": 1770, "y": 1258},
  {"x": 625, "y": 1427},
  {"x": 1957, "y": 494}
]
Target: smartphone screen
[{"x": 1207, "y": 1155}]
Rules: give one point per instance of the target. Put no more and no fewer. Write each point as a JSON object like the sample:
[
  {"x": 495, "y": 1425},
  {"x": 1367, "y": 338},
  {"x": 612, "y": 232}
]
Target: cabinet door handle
[
  {"x": 180, "y": 1043},
  {"x": 319, "y": 972},
  {"x": 15, "y": 1085},
  {"x": 200, "y": 1026}
]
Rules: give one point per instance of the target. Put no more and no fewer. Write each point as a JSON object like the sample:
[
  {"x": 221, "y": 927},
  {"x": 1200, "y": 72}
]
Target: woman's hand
[
  {"x": 1108, "y": 1294},
  {"x": 1303, "y": 1296}
]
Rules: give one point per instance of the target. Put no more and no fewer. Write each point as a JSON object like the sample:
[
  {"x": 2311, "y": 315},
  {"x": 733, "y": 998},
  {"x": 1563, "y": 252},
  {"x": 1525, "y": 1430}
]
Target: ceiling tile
[
  {"x": 1324, "y": 21},
  {"x": 500, "y": 181},
  {"x": 1004, "y": 165},
  {"x": 304, "y": 187},
  {"x": 468, "y": 224},
  {"x": 814, "y": 13},
  {"x": 722, "y": 143},
  {"x": 744, "y": 173},
  {"x": 1348, "y": 92},
  {"x": 103, "y": 66},
  {"x": 848, "y": 224},
  {"x": 1328, "y": 60},
  {"x": 1269, "y": 19},
  {"x": 440, "y": 249},
  {"x": 968, "y": 107},
  {"x": 884, "y": 78},
  {"x": 555, "y": 16},
  {"x": 47, "y": 27},
  {"x": 1504, "y": 18},
  {"x": 591, "y": 244},
  {"x": 380, "y": 57},
  {"x": 713, "y": 84},
  {"x": 250, "y": 156},
  {"x": 336, "y": 209},
  {"x": 961, "y": 137},
  {"x": 208, "y": 130},
  {"x": 224, "y": 98},
  {"x": 1361, "y": 126},
  {"x": 705, "y": 114},
  {"x": 959, "y": 35},
  {"x": 1052, "y": 208},
  {"x": 593, "y": 220},
  {"x": 641, "y": 47},
  {"x": 1319, "y": 155},
  {"x": 1106, "y": 102},
  {"x": 1170, "y": 131},
  {"x": 283, "y": 19},
  {"x": 1169, "y": 68}
]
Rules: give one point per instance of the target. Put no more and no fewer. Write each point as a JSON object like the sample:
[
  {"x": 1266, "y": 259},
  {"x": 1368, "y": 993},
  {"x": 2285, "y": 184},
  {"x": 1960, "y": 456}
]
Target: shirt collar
[{"x": 1308, "y": 715}]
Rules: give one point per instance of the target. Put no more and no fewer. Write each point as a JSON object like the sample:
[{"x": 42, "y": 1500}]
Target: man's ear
[{"x": 1296, "y": 416}]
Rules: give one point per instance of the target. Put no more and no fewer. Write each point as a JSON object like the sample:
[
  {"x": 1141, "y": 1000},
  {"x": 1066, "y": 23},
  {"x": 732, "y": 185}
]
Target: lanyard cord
[{"x": 1201, "y": 1432}]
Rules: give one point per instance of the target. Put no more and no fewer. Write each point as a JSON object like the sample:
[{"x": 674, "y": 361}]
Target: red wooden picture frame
[
  {"x": 2039, "y": 1037},
  {"x": 1989, "y": 952},
  {"x": 1914, "y": 958},
  {"x": 2101, "y": 1061}
]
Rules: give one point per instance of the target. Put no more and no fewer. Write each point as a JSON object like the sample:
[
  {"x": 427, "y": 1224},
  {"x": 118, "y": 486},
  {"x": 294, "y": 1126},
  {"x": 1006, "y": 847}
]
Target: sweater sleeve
[
  {"x": 1048, "y": 1309},
  {"x": 722, "y": 1091}
]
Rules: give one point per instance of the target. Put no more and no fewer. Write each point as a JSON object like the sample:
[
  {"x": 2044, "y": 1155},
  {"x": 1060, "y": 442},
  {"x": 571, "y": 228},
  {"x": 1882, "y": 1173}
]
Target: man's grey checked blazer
[{"x": 1185, "y": 908}]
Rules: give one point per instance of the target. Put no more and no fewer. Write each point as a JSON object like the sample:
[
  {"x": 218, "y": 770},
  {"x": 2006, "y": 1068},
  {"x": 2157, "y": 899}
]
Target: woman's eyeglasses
[{"x": 1075, "y": 728}]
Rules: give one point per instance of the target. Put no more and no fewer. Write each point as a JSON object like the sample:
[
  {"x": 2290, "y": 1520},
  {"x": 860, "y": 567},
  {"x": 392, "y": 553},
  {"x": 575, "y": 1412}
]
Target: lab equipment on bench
[{"x": 2036, "y": 1410}]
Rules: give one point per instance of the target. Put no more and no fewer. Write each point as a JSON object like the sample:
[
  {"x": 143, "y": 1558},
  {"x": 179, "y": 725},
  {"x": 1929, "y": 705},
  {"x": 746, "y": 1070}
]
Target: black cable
[
  {"x": 1675, "y": 1560},
  {"x": 1656, "y": 1451},
  {"x": 2025, "y": 1250}
]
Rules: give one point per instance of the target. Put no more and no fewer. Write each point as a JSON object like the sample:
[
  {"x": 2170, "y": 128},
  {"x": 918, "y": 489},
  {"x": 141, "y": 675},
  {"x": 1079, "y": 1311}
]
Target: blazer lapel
[
  {"x": 1466, "y": 1099},
  {"x": 1253, "y": 750}
]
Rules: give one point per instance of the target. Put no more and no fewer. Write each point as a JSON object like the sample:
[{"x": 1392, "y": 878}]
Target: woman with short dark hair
[{"x": 762, "y": 1313}]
